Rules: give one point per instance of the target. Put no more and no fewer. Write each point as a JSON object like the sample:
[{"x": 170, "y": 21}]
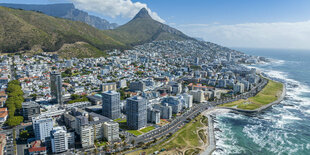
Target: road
[
  {"x": 9, "y": 144},
  {"x": 180, "y": 121},
  {"x": 177, "y": 123},
  {"x": 167, "y": 129}
]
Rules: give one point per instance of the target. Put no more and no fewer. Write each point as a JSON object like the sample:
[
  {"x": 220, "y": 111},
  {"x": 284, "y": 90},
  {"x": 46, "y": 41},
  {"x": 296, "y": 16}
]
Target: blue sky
[{"x": 233, "y": 23}]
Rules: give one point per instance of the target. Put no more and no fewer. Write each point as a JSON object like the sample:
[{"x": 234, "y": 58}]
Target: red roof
[{"x": 36, "y": 149}]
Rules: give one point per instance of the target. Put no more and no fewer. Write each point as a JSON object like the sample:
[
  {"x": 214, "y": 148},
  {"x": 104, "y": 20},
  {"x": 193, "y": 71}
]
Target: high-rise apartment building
[
  {"x": 56, "y": 87},
  {"x": 136, "y": 110},
  {"x": 111, "y": 107}
]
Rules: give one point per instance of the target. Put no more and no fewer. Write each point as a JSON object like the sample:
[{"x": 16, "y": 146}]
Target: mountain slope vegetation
[
  {"x": 67, "y": 11},
  {"x": 22, "y": 30},
  {"x": 143, "y": 29}
]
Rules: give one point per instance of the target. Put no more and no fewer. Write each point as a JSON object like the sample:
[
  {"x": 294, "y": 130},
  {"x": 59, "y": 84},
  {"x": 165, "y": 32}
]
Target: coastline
[
  {"x": 211, "y": 136},
  {"x": 258, "y": 110}
]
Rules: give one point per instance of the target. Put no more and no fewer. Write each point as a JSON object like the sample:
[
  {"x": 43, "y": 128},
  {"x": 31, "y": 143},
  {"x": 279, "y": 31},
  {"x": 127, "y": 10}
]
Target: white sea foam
[
  {"x": 289, "y": 117},
  {"x": 226, "y": 141},
  {"x": 269, "y": 130}
]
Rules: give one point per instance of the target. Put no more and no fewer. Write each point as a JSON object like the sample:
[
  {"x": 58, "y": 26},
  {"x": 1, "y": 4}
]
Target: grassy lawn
[
  {"x": 135, "y": 132},
  {"x": 123, "y": 125},
  {"x": 269, "y": 94},
  {"x": 142, "y": 131},
  {"x": 117, "y": 120},
  {"x": 147, "y": 129},
  {"x": 186, "y": 137},
  {"x": 98, "y": 144},
  {"x": 192, "y": 151}
]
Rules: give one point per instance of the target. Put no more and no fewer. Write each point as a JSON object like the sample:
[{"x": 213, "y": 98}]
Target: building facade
[
  {"x": 59, "y": 139},
  {"x": 198, "y": 95},
  {"x": 165, "y": 110},
  {"x": 108, "y": 86},
  {"x": 56, "y": 87},
  {"x": 111, "y": 131},
  {"x": 137, "y": 86},
  {"x": 136, "y": 112},
  {"x": 30, "y": 109},
  {"x": 111, "y": 104},
  {"x": 153, "y": 116},
  {"x": 42, "y": 127}
]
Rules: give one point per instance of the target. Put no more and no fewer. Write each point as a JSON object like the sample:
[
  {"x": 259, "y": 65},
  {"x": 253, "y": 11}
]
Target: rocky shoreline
[
  {"x": 258, "y": 110},
  {"x": 211, "y": 137}
]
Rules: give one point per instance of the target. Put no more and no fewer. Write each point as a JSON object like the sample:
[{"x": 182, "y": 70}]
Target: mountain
[
  {"x": 143, "y": 29},
  {"x": 67, "y": 11},
  {"x": 32, "y": 31}
]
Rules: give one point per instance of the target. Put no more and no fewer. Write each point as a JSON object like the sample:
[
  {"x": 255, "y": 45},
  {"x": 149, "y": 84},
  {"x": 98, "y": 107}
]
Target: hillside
[
  {"x": 67, "y": 11},
  {"x": 25, "y": 30},
  {"x": 143, "y": 29},
  {"x": 33, "y": 32}
]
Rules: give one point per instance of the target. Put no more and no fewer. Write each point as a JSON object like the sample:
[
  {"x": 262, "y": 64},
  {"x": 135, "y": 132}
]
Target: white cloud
[
  {"x": 114, "y": 8},
  {"x": 295, "y": 35}
]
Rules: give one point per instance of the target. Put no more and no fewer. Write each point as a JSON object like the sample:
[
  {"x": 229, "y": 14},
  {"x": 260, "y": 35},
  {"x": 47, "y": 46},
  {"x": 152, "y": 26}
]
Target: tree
[
  {"x": 24, "y": 135},
  {"x": 14, "y": 82},
  {"x": 14, "y": 121},
  {"x": 34, "y": 96},
  {"x": 75, "y": 96},
  {"x": 68, "y": 71}
]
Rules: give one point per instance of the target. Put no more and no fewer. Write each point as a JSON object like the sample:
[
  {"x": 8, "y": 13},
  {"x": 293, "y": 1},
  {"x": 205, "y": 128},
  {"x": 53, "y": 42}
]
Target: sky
[{"x": 233, "y": 23}]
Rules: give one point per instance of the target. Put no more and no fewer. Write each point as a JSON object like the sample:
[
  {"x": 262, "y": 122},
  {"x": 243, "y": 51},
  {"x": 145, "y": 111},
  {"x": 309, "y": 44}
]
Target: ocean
[{"x": 283, "y": 129}]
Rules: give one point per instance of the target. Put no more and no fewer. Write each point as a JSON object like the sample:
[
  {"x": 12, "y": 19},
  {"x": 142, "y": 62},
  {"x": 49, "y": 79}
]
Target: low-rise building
[
  {"x": 30, "y": 109},
  {"x": 37, "y": 148},
  {"x": 108, "y": 86},
  {"x": 137, "y": 86},
  {"x": 3, "y": 114}
]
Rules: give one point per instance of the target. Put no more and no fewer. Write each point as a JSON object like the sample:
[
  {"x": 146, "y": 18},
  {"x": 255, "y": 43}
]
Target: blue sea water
[{"x": 284, "y": 128}]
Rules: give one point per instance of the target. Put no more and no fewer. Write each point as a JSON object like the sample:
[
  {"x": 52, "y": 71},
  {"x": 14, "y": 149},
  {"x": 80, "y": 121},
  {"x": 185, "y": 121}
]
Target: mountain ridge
[
  {"x": 67, "y": 11},
  {"x": 23, "y": 30},
  {"x": 33, "y": 32},
  {"x": 143, "y": 29}
]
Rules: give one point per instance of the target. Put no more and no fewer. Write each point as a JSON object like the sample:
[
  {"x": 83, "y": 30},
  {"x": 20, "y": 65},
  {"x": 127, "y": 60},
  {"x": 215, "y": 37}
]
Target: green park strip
[
  {"x": 123, "y": 125},
  {"x": 135, "y": 132},
  {"x": 267, "y": 95},
  {"x": 147, "y": 129},
  {"x": 142, "y": 131},
  {"x": 117, "y": 120},
  {"x": 187, "y": 138}
]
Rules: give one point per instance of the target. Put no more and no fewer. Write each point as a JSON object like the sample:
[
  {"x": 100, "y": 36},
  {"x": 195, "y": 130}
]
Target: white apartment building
[
  {"x": 111, "y": 131},
  {"x": 59, "y": 139}
]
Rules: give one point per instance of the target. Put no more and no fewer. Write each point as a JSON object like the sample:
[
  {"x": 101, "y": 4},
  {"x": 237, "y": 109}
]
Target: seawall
[{"x": 211, "y": 137}]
